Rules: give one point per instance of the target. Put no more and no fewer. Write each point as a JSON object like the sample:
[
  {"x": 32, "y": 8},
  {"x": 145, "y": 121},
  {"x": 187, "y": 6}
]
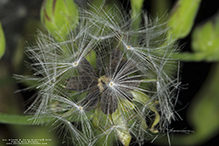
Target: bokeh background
[{"x": 198, "y": 104}]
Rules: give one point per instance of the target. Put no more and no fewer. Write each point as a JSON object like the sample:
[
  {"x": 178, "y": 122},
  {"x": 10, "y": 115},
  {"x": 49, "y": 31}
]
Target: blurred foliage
[
  {"x": 203, "y": 114},
  {"x": 59, "y": 17},
  {"x": 2, "y": 42},
  {"x": 203, "y": 111},
  {"x": 18, "y": 119},
  {"x": 182, "y": 18},
  {"x": 205, "y": 42},
  {"x": 136, "y": 6}
]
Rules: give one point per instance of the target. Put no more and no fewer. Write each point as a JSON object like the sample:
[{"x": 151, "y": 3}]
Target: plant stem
[{"x": 19, "y": 119}]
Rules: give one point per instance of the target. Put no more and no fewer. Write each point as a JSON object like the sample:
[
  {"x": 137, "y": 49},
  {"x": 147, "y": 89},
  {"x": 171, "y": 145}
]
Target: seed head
[{"x": 106, "y": 77}]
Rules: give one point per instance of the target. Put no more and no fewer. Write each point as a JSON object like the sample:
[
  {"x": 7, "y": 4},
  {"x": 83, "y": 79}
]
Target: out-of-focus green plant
[
  {"x": 18, "y": 119},
  {"x": 205, "y": 39},
  {"x": 59, "y": 17},
  {"x": 182, "y": 18},
  {"x": 205, "y": 42},
  {"x": 2, "y": 42},
  {"x": 206, "y": 36},
  {"x": 203, "y": 113},
  {"x": 136, "y": 6}
]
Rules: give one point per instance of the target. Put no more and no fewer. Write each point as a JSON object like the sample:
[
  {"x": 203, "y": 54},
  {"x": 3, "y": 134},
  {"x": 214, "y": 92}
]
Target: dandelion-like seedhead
[{"x": 107, "y": 82}]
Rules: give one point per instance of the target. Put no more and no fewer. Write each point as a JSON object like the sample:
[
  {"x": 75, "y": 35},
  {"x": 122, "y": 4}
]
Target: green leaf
[
  {"x": 205, "y": 38},
  {"x": 156, "y": 120},
  {"x": 199, "y": 56},
  {"x": 121, "y": 129},
  {"x": 182, "y": 18},
  {"x": 136, "y": 6},
  {"x": 59, "y": 17},
  {"x": 99, "y": 119},
  {"x": 2, "y": 42},
  {"x": 144, "y": 99},
  {"x": 140, "y": 97},
  {"x": 205, "y": 42},
  {"x": 19, "y": 119},
  {"x": 91, "y": 58},
  {"x": 127, "y": 103}
]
